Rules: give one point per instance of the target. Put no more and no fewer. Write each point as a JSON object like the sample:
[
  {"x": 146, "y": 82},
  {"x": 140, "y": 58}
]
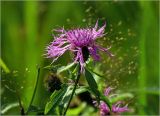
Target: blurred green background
[{"x": 132, "y": 31}]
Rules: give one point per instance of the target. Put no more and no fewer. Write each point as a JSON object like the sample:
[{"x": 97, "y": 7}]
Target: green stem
[
  {"x": 34, "y": 92},
  {"x": 77, "y": 79},
  {"x": 20, "y": 103}
]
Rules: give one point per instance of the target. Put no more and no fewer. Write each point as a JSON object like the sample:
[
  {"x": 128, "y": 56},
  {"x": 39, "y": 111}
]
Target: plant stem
[
  {"x": 77, "y": 79},
  {"x": 20, "y": 104},
  {"x": 34, "y": 92}
]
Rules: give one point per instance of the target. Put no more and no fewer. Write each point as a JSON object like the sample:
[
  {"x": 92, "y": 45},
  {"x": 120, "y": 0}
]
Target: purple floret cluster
[
  {"x": 78, "y": 41},
  {"x": 116, "y": 108}
]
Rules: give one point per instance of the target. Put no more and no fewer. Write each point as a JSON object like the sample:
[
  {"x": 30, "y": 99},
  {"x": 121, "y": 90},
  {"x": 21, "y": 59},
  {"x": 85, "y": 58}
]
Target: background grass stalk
[
  {"x": 34, "y": 92},
  {"x": 4, "y": 66},
  {"x": 145, "y": 27},
  {"x": 31, "y": 46}
]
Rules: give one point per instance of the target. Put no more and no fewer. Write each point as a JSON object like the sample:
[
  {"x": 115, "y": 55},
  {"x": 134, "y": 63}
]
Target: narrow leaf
[
  {"x": 106, "y": 100},
  {"x": 52, "y": 68},
  {"x": 35, "y": 109},
  {"x": 92, "y": 83},
  {"x": 64, "y": 68},
  {"x": 121, "y": 97},
  {"x": 55, "y": 99},
  {"x": 81, "y": 89},
  {"x": 67, "y": 95},
  {"x": 95, "y": 72}
]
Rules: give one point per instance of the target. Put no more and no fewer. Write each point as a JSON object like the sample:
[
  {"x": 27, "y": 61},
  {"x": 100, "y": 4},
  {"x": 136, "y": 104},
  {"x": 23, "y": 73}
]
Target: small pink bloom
[
  {"x": 107, "y": 91},
  {"x": 116, "y": 108},
  {"x": 104, "y": 109}
]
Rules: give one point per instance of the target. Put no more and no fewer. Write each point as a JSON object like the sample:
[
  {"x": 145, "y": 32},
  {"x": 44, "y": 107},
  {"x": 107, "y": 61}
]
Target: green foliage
[
  {"x": 121, "y": 97},
  {"x": 66, "y": 97},
  {"x": 132, "y": 31},
  {"x": 52, "y": 68},
  {"x": 35, "y": 109},
  {"x": 60, "y": 98},
  {"x": 76, "y": 111},
  {"x": 65, "y": 68},
  {"x": 55, "y": 99},
  {"x": 58, "y": 68},
  {"x": 92, "y": 83}
]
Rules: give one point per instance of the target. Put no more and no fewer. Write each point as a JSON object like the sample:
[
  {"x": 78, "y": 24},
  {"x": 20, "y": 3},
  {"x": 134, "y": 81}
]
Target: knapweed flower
[
  {"x": 81, "y": 41},
  {"x": 116, "y": 108}
]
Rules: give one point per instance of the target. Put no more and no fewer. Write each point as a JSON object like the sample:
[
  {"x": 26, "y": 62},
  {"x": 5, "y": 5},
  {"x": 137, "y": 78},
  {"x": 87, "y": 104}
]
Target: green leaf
[
  {"x": 95, "y": 72},
  {"x": 76, "y": 111},
  {"x": 75, "y": 70},
  {"x": 35, "y": 109},
  {"x": 94, "y": 88},
  {"x": 52, "y": 68},
  {"x": 65, "y": 99},
  {"x": 90, "y": 79},
  {"x": 64, "y": 68},
  {"x": 106, "y": 100},
  {"x": 81, "y": 89},
  {"x": 55, "y": 99},
  {"x": 92, "y": 83},
  {"x": 121, "y": 97},
  {"x": 67, "y": 95}
]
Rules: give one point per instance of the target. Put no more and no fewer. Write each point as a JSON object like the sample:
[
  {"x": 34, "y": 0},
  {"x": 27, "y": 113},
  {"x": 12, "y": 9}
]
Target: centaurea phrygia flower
[
  {"x": 81, "y": 41},
  {"x": 104, "y": 109},
  {"x": 116, "y": 108}
]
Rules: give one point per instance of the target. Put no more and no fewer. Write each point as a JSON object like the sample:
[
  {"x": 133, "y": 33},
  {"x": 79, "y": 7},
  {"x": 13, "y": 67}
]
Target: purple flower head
[
  {"x": 107, "y": 91},
  {"x": 80, "y": 41},
  {"x": 116, "y": 108},
  {"x": 104, "y": 109}
]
